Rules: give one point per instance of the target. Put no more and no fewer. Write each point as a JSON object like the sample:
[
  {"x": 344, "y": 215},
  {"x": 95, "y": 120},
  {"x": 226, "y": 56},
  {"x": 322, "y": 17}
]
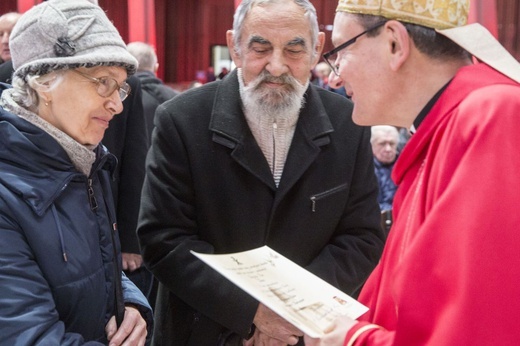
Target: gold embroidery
[{"x": 437, "y": 14}]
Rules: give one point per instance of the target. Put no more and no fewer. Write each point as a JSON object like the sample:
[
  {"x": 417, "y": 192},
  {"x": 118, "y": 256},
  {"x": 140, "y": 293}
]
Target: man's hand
[
  {"x": 335, "y": 335},
  {"x": 131, "y": 332},
  {"x": 272, "y": 330},
  {"x": 131, "y": 261}
]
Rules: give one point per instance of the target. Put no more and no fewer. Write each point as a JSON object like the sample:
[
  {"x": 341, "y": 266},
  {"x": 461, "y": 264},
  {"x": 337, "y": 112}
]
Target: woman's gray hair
[
  {"x": 246, "y": 5},
  {"x": 24, "y": 89}
]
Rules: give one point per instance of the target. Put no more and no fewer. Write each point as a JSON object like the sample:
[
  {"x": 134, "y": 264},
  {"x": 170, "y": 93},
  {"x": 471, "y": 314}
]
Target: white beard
[{"x": 260, "y": 100}]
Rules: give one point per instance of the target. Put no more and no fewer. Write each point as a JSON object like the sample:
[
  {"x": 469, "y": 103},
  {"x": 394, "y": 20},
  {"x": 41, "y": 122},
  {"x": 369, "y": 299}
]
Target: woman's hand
[{"x": 131, "y": 332}]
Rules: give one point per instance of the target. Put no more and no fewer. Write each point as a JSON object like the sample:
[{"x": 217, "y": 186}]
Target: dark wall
[{"x": 508, "y": 13}]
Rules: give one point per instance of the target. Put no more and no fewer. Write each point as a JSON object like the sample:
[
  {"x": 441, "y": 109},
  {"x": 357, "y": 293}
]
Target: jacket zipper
[
  {"x": 91, "y": 195},
  {"x": 275, "y": 127}
]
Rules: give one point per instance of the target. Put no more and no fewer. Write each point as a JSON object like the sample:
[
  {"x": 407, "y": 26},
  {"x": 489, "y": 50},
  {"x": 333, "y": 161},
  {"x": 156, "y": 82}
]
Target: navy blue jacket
[
  {"x": 58, "y": 262},
  {"x": 387, "y": 188}
]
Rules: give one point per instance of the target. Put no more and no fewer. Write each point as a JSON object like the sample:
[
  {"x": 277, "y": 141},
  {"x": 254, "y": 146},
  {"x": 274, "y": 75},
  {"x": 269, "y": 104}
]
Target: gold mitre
[{"x": 436, "y": 14}]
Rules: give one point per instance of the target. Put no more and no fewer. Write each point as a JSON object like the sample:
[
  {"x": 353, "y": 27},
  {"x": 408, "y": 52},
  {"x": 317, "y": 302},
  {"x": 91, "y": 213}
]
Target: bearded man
[{"x": 261, "y": 157}]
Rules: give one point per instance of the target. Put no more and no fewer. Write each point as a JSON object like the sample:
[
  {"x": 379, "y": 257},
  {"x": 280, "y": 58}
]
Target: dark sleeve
[
  {"x": 126, "y": 139},
  {"x": 6, "y": 72},
  {"x": 168, "y": 230}
]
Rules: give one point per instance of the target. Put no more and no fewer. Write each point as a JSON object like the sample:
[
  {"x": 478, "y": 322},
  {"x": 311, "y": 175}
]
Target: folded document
[{"x": 298, "y": 296}]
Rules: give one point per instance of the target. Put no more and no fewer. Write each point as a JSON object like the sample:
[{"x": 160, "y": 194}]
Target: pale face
[
  {"x": 363, "y": 71},
  {"x": 6, "y": 26},
  {"x": 384, "y": 147},
  {"x": 276, "y": 39},
  {"x": 75, "y": 107}
]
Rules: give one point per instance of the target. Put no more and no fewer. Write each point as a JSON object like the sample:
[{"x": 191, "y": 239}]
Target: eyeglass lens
[
  {"x": 331, "y": 60},
  {"x": 106, "y": 86},
  {"x": 332, "y": 56}
]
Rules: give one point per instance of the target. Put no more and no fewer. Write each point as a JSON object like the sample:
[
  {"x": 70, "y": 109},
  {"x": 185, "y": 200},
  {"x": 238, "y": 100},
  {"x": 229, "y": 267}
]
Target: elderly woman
[{"x": 60, "y": 265}]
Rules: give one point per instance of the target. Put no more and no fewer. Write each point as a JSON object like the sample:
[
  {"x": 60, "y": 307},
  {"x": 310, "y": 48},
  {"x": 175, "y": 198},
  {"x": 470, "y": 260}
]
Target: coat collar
[
  {"x": 461, "y": 86},
  {"x": 230, "y": 129},
  {"x": 34, "y": 165}
]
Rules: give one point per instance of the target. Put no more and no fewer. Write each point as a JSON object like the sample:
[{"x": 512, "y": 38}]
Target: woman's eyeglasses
[{"x": 107, "y": 85}]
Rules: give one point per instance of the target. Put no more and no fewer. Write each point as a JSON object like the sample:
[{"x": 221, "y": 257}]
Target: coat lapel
[
  {"x": 312, "y": 132},
  {"x": 230, "y": 129}
]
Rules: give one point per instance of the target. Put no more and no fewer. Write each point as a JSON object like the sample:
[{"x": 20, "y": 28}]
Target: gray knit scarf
[{"x": 82, "y": 156}]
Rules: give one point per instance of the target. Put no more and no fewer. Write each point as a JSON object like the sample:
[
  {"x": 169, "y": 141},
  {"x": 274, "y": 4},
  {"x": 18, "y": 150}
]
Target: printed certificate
[{"x": 300, "y": 297}]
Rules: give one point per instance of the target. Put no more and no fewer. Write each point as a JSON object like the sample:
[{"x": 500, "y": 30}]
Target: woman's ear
[
  {"x": 399, "y": 43},
  {"x": 44, "y": 94}
]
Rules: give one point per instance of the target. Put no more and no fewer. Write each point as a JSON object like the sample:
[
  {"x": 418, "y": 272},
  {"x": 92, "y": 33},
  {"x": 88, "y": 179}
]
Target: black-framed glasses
[
  {"x": 331, "y": 56},
  {"x": 106, "y": 86}
]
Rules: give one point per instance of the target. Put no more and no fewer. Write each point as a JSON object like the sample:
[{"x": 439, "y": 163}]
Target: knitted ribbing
[
  {"x": 82, "y": 156},
  {"x": 273, "y": 133}
]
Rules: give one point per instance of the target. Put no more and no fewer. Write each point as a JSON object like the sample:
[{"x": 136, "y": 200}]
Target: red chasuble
[{"x": 450, "y": 271}]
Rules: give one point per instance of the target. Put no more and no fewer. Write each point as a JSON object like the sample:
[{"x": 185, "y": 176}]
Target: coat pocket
[{"x": 315, "y": 199}]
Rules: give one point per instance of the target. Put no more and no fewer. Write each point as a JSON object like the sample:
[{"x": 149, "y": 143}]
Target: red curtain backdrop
[
  {"x": 142, "y": 13},
  {"x": 508, "y": 12},
  {"x": 485, "y": 13},
  {"x": 184, "y": 31},
  {"x": 24, "y": 5}
]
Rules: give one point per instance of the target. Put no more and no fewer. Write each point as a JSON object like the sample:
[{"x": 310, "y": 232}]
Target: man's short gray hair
[
  {"x": 378, "y": 130},
  {"x": 246, "y": 5},
  {"x": 145, "y": 55}
]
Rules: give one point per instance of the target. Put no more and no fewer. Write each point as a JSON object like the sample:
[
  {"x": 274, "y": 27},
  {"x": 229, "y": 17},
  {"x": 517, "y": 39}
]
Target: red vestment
[{"x": 450, "y": 271}]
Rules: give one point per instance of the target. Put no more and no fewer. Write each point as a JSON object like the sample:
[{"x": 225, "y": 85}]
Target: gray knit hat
[{"x": 61, "y": 34}]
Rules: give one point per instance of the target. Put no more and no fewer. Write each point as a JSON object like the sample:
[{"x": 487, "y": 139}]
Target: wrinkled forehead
[{"x": 277, "y": 22}]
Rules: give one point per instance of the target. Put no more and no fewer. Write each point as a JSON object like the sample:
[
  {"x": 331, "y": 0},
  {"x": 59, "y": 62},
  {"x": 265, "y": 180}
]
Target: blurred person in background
[
  {"x": 7, "y": 22},
  {"x": 384, "y": 142},
  {"x": 154, "y": 90}
]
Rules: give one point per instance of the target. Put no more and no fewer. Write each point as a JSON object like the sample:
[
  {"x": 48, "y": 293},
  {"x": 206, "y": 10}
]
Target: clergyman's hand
[{"x": 335, "y": 335}]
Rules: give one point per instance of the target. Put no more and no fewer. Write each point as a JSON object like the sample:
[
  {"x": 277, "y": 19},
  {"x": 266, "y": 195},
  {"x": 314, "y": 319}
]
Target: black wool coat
[
  {"x": 209, "y": 188},
  {"x": 155, "y": 92},
  {"x": 126, "y": 139}
]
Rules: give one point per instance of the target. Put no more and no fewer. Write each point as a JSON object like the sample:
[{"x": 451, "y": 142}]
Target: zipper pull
[
  {"x": 313, "y": 200},
  {"x": 91, "y": 196}
]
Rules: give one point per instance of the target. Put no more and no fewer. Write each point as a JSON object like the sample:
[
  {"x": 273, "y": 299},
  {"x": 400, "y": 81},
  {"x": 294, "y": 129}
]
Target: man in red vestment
[{"x": 450, "y": 271}]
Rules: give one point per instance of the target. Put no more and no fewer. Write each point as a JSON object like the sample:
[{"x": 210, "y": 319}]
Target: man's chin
[{"x": 359, "y": 119}]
